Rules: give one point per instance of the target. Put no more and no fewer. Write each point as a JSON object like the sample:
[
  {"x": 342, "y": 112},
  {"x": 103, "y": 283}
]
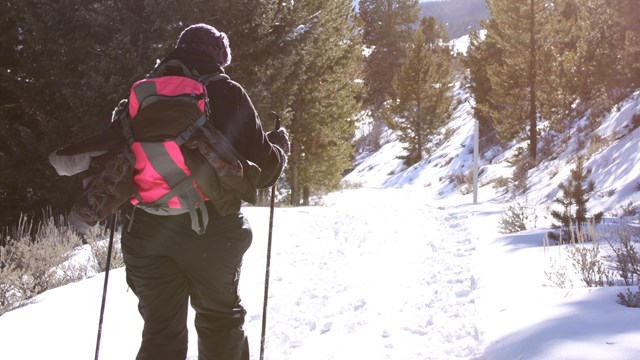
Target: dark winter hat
[{"x": 206, "y": 38}]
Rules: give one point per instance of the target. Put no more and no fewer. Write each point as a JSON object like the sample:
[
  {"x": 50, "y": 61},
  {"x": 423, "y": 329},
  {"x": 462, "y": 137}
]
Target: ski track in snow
[{"x": 369, "y": 264}]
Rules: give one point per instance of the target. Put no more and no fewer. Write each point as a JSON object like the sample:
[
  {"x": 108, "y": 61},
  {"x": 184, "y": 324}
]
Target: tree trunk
[
  {"x": 295, "y": 183},
  {"x": 533, "y": 105},
  {"x": 306, "y": 193}
]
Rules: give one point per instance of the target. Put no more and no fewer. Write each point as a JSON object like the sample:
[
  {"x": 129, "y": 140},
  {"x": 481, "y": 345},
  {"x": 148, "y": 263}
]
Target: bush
[
  {"x": 30, "y": 265},
  {"x": 500, "y": 182},
  {"x": 625, "y": 255},
  {"x": 464, "y": 181},
  {"x": 583, "y": 252},
  {"x": 516, "y": 218},
  {"x": 34, "y": 261},
  {"x": 592, "y": 267},
  {"x": 630, "y": 299},
  {"x": 100, "y": 249},
  {"x": 586, "y": 260},
  {"x": 628, "y": 210},
  {"x": 521, "y": 165}
]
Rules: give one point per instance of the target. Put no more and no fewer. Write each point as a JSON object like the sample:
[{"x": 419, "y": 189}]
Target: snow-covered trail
[{"x": 374, "y": 274}]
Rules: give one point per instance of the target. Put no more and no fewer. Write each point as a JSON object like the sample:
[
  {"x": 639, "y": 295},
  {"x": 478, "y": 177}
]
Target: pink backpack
[{"x": 164, "y": 112}]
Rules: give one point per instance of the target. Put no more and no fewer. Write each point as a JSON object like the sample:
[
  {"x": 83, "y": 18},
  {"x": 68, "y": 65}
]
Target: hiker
[{"x": 169, "y": 264}]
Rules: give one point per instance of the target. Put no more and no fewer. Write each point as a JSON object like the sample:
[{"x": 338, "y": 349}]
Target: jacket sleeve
[
  {"x": 68, "y": 165},
  {"x": 269, "y": 157},
  {"x": 235, "y": 116},
  {"x": 77, "y": 157}
]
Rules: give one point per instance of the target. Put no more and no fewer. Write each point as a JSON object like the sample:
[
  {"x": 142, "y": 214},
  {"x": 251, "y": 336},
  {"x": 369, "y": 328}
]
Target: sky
[{"x": 400, "y": 265}]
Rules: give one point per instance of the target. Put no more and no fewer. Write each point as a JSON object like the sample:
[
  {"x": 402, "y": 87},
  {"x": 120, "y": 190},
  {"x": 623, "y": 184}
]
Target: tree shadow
[{"x": 524, "y": 239}]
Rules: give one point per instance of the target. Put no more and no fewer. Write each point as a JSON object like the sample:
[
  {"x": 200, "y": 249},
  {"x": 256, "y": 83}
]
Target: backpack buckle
[{"x": 189, "y": 131}]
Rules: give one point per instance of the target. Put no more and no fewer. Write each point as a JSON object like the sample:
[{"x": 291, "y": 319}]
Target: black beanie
[{"x": 207, "y": 39}]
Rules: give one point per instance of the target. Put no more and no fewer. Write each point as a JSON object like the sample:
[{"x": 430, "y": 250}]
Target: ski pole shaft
[
  {"x": 266, "y": 276},
  {"x": 268, "y": 266},
  {"x": 106, "y": 281}
]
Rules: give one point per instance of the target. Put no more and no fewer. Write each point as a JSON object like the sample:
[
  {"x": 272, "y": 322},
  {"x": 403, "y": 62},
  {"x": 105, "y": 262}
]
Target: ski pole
[
  {"x": 106, "y": 281},
  {"x": 267, "y": 270}
]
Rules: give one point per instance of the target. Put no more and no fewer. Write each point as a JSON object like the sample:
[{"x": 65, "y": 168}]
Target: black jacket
[{"x": 234, "y": 115}]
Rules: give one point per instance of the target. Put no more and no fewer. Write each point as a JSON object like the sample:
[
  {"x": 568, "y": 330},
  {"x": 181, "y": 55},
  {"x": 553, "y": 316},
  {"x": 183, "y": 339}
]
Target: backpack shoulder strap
[
  {"x": 206, "y": 79},
  {"x": 173, "y": 67}
]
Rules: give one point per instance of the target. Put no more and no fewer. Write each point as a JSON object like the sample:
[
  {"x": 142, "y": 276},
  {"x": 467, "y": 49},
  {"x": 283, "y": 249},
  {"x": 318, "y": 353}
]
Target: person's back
[{"x": 167, "y": 263}]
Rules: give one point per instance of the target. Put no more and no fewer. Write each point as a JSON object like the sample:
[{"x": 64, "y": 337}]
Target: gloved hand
[{"x": 280, "y": 138}]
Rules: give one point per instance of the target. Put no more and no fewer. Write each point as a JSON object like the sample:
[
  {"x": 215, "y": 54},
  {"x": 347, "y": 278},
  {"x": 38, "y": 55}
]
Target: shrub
[
  {"x": 628, "y": 210},
  {"x": 635, "y": 122},
  {"x": 587, "y": 262},
  {"x": 583, "y": 253},
  {"x": 520, "y": 177},
  {"x": 500, "y": 182},
  {"x": 516, "y": 218},
  {"x": 99, "y": 244},
  {"x": 558, "y": 274},
  {"x": 630, "y": 299},
  {"x": 625, "y": 255},
  {"x": 30, "y": 264},
  {"x": 462, "y": 180},
  {"x": 34, "y": 261}
]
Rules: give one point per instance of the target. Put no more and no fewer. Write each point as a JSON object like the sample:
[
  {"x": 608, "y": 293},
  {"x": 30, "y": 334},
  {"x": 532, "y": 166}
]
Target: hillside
[
  {"x": 613, "y": 155},
  {"x": 459, "y": 16}
]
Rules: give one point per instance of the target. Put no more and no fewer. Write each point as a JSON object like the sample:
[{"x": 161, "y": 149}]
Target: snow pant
[{"x": 167, "y": 263}]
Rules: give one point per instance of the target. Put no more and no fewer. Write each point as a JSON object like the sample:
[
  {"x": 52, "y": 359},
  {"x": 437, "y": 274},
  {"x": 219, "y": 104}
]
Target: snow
[{"x": 401, "y": 265}]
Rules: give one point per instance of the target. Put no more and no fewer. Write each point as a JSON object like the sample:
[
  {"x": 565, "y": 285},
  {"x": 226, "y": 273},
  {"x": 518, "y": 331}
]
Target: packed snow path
[{"x": 374, "y": 274}]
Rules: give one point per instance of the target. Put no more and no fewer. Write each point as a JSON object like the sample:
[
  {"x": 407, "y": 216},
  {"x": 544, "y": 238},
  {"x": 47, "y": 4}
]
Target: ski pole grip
[{"x": 277, "y": 119}]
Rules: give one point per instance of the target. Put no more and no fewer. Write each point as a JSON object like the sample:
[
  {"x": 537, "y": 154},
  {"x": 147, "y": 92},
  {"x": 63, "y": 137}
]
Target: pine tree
[
  {"x": 598, "y": 47},
  {"x": 323, "y": 109},
  {"x": 480, "y": 54},
  {"x": 388, "y": 26},
  {"x": 628, "y": 12},
  {"x": 424, "y": 89},
  {"x": 576, "y": 192},
  {"x": 518, "y": 28}
]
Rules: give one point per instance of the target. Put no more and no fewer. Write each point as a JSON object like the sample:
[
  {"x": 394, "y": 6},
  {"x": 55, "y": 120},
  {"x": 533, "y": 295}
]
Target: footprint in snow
[{"x": 326, "y": 327}]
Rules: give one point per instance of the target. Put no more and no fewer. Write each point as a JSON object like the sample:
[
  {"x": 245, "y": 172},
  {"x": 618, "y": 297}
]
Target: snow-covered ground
[{"x": 402, "y": 266}]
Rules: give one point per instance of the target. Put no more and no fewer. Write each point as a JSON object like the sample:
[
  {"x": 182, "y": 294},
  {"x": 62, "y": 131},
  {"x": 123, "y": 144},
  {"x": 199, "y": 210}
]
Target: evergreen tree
[
  {"x": 480, "y": 54},
  {"x": 576, "y": 192},
  {"x": 387, "y": 26},
  {"x": 628, "y": 12},
  {"x": 593, "y": 55},
  {"x": 551, "y": 61},
  {"x": 518, "y": 28},
  {"x": 323, "y": 109},
  {"x": 424, "y": 89},
  {"x": 17, "y": 143},
  {"x": 589, "y": 69},
  {"x": 41, "y": 69}
]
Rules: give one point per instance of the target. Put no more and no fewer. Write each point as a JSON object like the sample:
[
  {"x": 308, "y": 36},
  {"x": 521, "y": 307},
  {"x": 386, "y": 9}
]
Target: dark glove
[{"x": 279, "y": 138}]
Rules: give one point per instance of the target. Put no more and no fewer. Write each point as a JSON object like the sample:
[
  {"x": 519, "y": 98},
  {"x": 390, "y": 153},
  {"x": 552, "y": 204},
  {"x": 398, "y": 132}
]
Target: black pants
[{"x": 167, "y": 264}]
